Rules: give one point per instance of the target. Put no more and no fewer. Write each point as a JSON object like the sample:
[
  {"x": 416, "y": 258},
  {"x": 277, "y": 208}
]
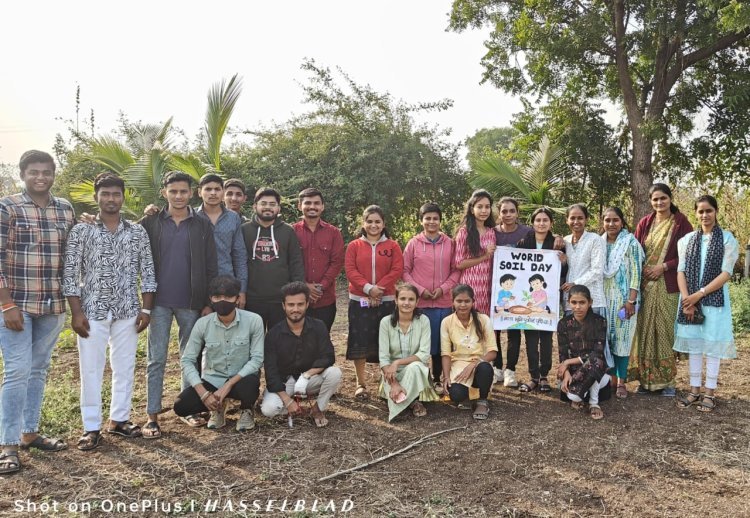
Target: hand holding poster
[{"x": 525, "y": 289}]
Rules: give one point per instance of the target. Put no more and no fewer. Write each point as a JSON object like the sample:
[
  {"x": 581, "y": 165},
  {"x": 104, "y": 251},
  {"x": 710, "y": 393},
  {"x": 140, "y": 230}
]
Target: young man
[
  {"x": 184, "y": 252},
  {"x": 322, "y": 253},
  {"x": 233, "y": 355},
  {"x": 274, "y": 257},
  {"x": 231, "y": 253},
  {"x": 33, "y": 228},
  {"x": 103, "y": 263},
  {"x": 235, "y": 196},
  {"x": 299, "y": 359}
]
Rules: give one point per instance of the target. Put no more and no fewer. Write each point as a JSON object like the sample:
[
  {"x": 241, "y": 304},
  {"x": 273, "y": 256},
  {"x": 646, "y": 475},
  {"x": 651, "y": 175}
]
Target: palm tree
[
  {"x": 149, "y": 153},
  {"x": 537, "y": 183}
]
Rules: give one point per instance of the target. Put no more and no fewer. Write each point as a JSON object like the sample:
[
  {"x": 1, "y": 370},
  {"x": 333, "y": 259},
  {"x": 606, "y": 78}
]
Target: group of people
[{"x": 252, "y": 294}]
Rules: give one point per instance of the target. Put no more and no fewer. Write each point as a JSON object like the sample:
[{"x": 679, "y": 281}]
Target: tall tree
[
  {"x": 487, "y": 142},
  {"x": 652, "y": 57}
]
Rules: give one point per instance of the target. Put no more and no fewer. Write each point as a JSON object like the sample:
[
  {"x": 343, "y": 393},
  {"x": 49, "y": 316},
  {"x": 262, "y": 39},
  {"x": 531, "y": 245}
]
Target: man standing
[
  {"x": 33, "y": 228},
  {"x": 231, "y": 253},
  {"x": 184, "y": 252},
  {"x": 274, "y": 257},
  {"x": 299, "y": 359},
  {"x": 323, "y": 255},
  {"x": 235, "y": 196},
  {"x": 103, "y": 262}
]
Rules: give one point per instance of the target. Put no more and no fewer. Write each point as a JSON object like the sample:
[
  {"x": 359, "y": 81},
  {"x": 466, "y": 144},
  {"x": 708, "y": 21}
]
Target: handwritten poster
[{"x": 525, "y": 289}]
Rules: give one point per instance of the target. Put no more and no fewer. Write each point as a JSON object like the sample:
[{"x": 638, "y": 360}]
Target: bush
[{"x": 739, "y": 294}]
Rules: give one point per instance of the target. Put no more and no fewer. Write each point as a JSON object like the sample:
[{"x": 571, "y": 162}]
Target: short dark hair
[
  {"x": 507, "y": 277},
  {"x": 310, "y": 192},
  {"x": 33, "y": 156},
  {"x": 236, "y": 182},
  {"x": 429, "y": 207},
  {"x": 267, "y": 191},
  {"x": 108, "y": 179},
  {"x": 211, "y": 178},
  {"x": 295, "y": 288},
  {"x": 224, "y": 285},
  {"x": 176, "y": 176}
]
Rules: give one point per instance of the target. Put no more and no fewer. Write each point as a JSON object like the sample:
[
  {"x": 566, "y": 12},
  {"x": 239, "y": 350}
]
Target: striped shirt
[{"x": 32, "y": 244}]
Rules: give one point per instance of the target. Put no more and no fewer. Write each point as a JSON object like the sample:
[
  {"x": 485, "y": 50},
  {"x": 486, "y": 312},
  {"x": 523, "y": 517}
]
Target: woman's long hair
[
  {"x": 470, "y": 222},
  {"x": 405, "y": 287},
  {"x": 587, "y": 330},
  {"x": 460, "y": 289}
]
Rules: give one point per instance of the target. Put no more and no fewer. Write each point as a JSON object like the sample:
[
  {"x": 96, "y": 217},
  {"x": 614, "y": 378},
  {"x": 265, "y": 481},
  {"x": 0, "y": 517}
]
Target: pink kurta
[{"x": 479, "y": 277}]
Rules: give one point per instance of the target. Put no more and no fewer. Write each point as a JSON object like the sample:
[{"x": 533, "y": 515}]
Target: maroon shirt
[{"x": 323, "y": 255}]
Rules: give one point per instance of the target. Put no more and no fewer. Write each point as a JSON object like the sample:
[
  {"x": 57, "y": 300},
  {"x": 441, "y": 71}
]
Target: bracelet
[
  {"x": 8, "y": 308},
  {"x": 146, "y": 311},
  {"x": 205, "y": 395}
]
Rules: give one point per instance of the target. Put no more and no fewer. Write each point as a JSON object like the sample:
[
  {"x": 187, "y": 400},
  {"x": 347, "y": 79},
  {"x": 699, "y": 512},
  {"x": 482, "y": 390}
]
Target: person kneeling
[
  {"x": 581, "y": 339},
  {"x": 467, "y": 345},
  {"x": 299, "y": 359},
  {"x": 233, "y": 354}
]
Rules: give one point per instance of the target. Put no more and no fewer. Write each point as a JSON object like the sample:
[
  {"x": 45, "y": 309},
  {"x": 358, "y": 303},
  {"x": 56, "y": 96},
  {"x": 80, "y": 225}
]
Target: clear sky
[{"x": 152, "y": 60}]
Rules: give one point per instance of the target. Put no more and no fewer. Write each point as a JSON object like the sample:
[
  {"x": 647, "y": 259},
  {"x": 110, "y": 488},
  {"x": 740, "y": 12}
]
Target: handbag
[{"x": 698, "y": 318}]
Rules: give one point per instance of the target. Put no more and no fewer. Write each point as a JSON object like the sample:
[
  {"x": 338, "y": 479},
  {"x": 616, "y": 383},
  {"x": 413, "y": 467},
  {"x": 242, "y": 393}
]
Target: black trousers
[
  {"x": 514, "y": 349},
  {"x": 246, "y": 390},
  {"x": 271, "y": 312},
  {"x": 483, "y": 377},
  {"x": 327, "y": 314},
  {"x": 437, "y": 367},
  {"x": 539, "y": 353}
]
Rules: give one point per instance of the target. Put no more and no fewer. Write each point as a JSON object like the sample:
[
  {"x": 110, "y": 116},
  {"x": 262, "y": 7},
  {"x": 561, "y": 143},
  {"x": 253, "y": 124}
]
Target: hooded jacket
[
  {"x": 373, "y": 264},
  {"x": 274, "y": 258},
  {"x": 429, "y": 266}
]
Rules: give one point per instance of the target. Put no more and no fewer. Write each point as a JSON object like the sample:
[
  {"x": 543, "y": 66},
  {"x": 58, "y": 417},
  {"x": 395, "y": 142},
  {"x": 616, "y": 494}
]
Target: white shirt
[{"x": 586, "y": 265}]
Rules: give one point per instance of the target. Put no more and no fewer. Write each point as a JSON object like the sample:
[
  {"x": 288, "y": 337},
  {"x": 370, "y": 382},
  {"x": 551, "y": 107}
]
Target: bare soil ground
[{"x": 535, "y": 456}]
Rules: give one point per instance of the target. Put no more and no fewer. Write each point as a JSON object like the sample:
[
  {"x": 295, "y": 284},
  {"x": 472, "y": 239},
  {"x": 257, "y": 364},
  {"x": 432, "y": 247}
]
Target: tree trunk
[{"x": 641, "y": 175}]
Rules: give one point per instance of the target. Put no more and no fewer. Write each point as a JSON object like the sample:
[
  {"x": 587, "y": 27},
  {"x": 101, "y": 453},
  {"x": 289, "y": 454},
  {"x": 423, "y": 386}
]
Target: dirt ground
[{"x": 535, "y": 456}]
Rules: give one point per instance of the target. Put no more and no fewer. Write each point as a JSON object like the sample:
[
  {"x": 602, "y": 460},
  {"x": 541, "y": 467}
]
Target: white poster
[{"x": 525, "y": 289}]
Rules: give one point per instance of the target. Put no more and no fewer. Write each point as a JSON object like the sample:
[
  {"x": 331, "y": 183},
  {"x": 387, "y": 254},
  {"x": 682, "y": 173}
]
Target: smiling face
[
  {"x": 580, "y": 305},
  {"x": 576, "y": 220},
  {"x": 212, "y": 194},
  {"x": 311, "y": 207},
  {"x": 267, "y": 208},
  {"x": 508, "y": 285},
  {"x": 541, "y": 223},
  {"x": 612, "y": 224},
  {"x": 431, "y": 223},
  {"x": 706, "y": 215},
  {"x": 373, "y": 225},
  {"x": 406, "y": 301},
  {"x": 38, "y": 177},
  {"x": 660, "y": 202},
  {"x": 536, "y": 284},
  {"x": 295, "y": 307},
  {"x": 109, "y": 199},
  {"x": 508, "y": 214},
  {"x": 482, "y": 210},
  {"x": 234, "y": 198}
]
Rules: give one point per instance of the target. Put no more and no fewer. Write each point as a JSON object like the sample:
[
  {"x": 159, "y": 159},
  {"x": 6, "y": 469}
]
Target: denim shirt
[{"x": 234, "y": 349}]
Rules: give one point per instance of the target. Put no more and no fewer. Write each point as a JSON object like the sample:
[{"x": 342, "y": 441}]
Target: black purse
[{"x": 698, "y": 318}]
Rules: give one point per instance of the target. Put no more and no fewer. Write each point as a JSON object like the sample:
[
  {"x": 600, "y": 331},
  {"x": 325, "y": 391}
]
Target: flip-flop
[
  {"x": 151, "y": 430},
  {"x": 418, "y": 409},
  {"x": 596, "y": 413},
  {"x": 481, "y": 414},
  {"x": 45, "y": 443},
  {"x": 360, "y": 392}
]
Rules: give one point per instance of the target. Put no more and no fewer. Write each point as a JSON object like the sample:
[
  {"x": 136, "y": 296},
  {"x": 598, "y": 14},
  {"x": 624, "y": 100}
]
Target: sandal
[
  {"x": 529, "y": 386},
  {"x": 481, "y": 410},
  {"x": 126, "y": 429},
  {"x": 576, "y": 405},
  {"x": 622, "y": 391},
  {"x": 418, "y": 409},
  {"x": 196, "y": 421},
  {"x": 9, "y": 463},
  {"x": 691, "y": 399},
  {"x": 360, "y": 392},
  {"x": 89, "y": 440},
  {"x": 544, "y": 385},
  {"x": 595, "y": 411},
  {"x": 707, "y": 404},
  {"x": 151, "y": 430},
  {"x": 45, "y": 443}
]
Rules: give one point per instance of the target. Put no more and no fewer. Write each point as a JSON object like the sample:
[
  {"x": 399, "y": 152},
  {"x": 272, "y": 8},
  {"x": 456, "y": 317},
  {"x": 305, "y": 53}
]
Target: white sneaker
[
  {"x": 498, "y": 375},
  {"x": 246, "y": 421},
  {"x": 510, "y": 379}
]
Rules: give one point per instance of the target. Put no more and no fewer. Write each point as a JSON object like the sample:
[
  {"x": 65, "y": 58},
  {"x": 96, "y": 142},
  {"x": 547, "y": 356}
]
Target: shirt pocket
[{"x": 25, "y": 234}]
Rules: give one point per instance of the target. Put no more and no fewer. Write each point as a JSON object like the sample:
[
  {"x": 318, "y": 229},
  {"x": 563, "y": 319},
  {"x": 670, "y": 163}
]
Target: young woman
[
  {"x": 539, "y": 343},
  {"x": 704, "y": 321},
  {"x": 586, "y": 254},
  {"x": 467, "y": 345},
  {"x": 428, "y": 266},
  {"x": 475, "y": 248},
  {"x": 373, "y": 265},
  {"x": 404, "y": 353},
  {"x": 581, "y": 340},
  {"x": 652, "y": 360},
  {"x": 622, "y": 286}
]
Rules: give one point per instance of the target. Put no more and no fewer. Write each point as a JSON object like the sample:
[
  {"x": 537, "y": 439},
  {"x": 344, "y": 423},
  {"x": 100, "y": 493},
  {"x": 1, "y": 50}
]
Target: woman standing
[
  {"x": 428, "y": 266},
  {"x": 652, "y": 360},
  {"x": 622, "y": 286},
  {"x": 373, "y": 265},
  {"x": 704, "y": 322},
  {"x": 475, "y": 248},
  {"x": 586, "y": 254},
  {"x": 467, "y": 345},
  {"x": 539, "y": 343},
  {"x": 404, "y": 353}
]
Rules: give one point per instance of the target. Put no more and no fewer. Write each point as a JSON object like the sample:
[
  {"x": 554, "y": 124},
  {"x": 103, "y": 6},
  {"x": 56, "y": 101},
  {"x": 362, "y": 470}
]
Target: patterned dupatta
[
  {"x": 657, "y": 243},
  {"x": 711, "y": 270}
]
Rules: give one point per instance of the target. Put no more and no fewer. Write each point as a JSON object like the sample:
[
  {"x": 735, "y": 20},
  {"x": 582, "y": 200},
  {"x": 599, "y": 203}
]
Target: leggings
[
  {"x": 621, "y": 367},
  {"x": 483, "y": 376},
  {"x": 695, "y": 366}
]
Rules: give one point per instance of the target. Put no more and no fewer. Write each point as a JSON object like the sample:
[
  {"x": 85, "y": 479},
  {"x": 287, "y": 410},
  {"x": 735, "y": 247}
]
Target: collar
[
  {"x": 124, "y": 224},
  {"x": 285, "y": 328},
  {"x": 219, "y": 323},
  {"x": 164, "y": 214},
  {"x": 53, "y": 201}
]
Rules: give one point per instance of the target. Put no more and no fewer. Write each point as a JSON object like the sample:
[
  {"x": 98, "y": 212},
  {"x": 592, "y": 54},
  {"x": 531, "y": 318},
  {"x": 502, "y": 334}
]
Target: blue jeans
[
  {"x": 436, "y": 316},
  {"x": 26, "y": 357},
  {"x": 158, "y": 348}
]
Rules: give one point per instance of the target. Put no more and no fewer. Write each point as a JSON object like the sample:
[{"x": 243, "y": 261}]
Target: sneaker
[
  {"x": 642, "y": 391},
  {"x": 217, "y": 419},
  {"x": 669, "y": 392},
  {"x": 509, "y": 377},
  {"x": 246, "y": 421},
  {"x": 498, "y": 375}
]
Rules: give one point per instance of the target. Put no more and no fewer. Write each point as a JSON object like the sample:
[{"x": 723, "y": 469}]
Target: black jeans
[
  {"x": 483, "y": 377},
  {"x": 539, "y": 353},
  {"x": 271, "y": 312},
  {"x": 437, "y": 367},
  {"x": 327, "y": 314},
  {"x": 246, "y": 390},
  {"x": 514, "y": 349}
]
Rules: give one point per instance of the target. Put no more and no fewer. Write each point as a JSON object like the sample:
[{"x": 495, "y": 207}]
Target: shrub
[{"x": 739, "y": 294}]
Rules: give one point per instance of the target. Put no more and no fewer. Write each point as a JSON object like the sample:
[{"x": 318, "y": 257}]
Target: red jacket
[
  {"x": 681, "y": 227},
  {"x": 370, "y": 264},
  {"x": 323, "y": 255}
]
